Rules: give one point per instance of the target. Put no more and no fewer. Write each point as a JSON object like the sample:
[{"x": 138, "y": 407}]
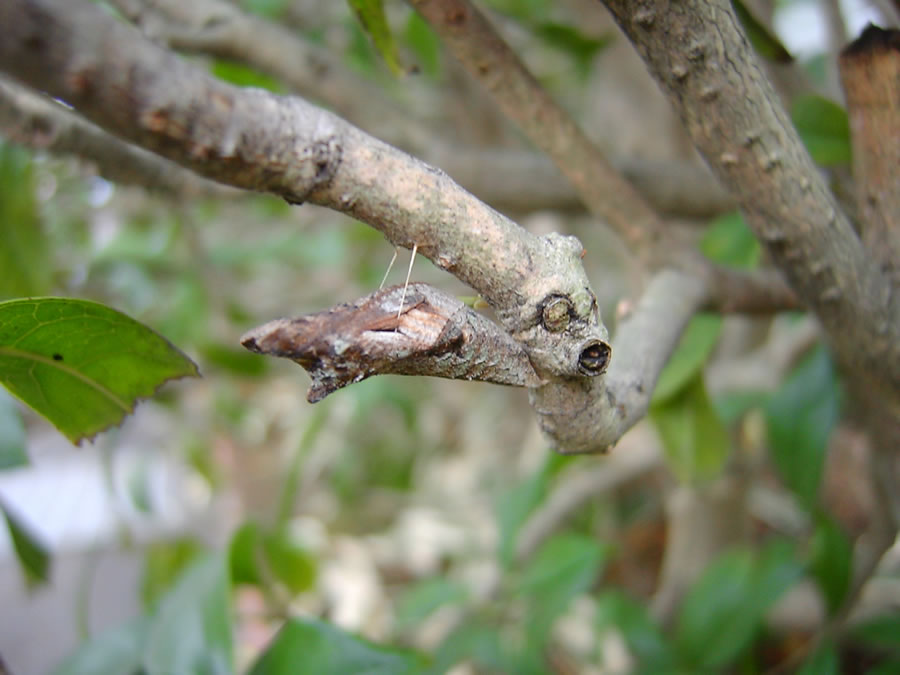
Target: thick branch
[
  {"x": 256, "y": 140},
  {"x": 702, "y": 60},
  {"x": 870, "y": 72},
  {"x": 492, "y": 62},
  {"x": 27, "y": 118},
  {"x": 515, "y": 179}
]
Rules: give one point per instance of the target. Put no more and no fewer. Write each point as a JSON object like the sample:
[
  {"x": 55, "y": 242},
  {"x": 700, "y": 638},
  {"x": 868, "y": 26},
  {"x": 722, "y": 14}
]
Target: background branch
[
  {"x": 703, "y": 62},
  {"x": 514, "y": 179},
  {"x": 40, "y": 123}
]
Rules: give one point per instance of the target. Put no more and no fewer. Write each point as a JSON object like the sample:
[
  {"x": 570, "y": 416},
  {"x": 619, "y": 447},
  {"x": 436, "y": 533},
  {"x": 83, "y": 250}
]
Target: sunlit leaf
[
  {"x": 32, "y": 554},
  {"x": 729, "y": 241},
  {"x": 371, "y": 15},
  {"x": 80, "y": 364},
  {"x": 825, "y": 129},
  {"x": 694, "y": 438},
  {"x": 695, "y": 346},
  {"x": 12, "y": 434},
  {"x": 191, "y": 630},
  {"x": 25, "y": 262},
  {"x": 311, "y": 647},
  {"x": 800, "y": 417},
  {"x": 114, "y": 652}
]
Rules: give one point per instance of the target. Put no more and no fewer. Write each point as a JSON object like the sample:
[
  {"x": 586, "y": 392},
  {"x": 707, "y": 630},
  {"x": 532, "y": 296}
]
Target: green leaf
[
  {"x": 823, "y": 661},
  {"x": 568, "y": 39},
  {"x": 419, "y": 601},
  {"x": 724, "y": 608},
  {"x": 259, "y": 558},
  {"x": 288, "y": 562},
  {"x": 694, "y": 438},
  {"x": 566, "y": 565},
  {"x": 80, "y": 364},
  {"x": 800, "y": 417},
  {"x": 763, "y": 40},
  {"x": 232, "y": 360},
  {"x": 477, "y": 641},
  {"x": 889, "y": 667},
  {"x": 645, "y": 639},
  {"x": 882, "y": 632},
  {"x": 191, "y": 630},
  {"x": 245, "y": 76},
  {"x": 514, "y": 506},
  {"x": 371, "y": 15},
  {"x": 831, "y": 563},
  {"x": 12, "y": 434},
  {"x": 424, "y": 43},
  {"x": 163, "y": 563},
  {"x": 825, "y": 129},
  {"x": 25, "y": 261},
  {"x": 32, "y": 554},
  {"x": 271, "y": 9},
  {"x": 730, "y": 242},
  {"x": 311, "y": 647},
  {"x": 114, "y": 652},
  {"x": 690, "y": 355}
]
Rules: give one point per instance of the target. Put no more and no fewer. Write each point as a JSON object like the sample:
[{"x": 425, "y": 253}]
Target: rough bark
[
  {"x": 513, "y": 179},
  {"x": 256, "y": 140},
  {"x": 703, "y": 62},
  {"x": 870, "y": 73},
  {"x": 40, "y": 123},
  {"x": 419, "y": 330}
]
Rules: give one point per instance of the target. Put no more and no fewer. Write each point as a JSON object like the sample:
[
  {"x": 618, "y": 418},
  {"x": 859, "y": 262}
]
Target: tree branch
[
  {"x": 703, "y": 62},
  {"x": 37, "y": 122},
  {"x": 870, "y": 73},
  {"x": 516, "y": 179},
  {"x": 591, "y": 415},
  {"x": 492, "y": 62},
  {"x": 283, "y": 145}
]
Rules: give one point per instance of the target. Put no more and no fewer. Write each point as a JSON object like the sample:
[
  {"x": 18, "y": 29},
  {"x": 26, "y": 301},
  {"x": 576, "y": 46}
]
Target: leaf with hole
[{"x": 80, "y": 364}]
